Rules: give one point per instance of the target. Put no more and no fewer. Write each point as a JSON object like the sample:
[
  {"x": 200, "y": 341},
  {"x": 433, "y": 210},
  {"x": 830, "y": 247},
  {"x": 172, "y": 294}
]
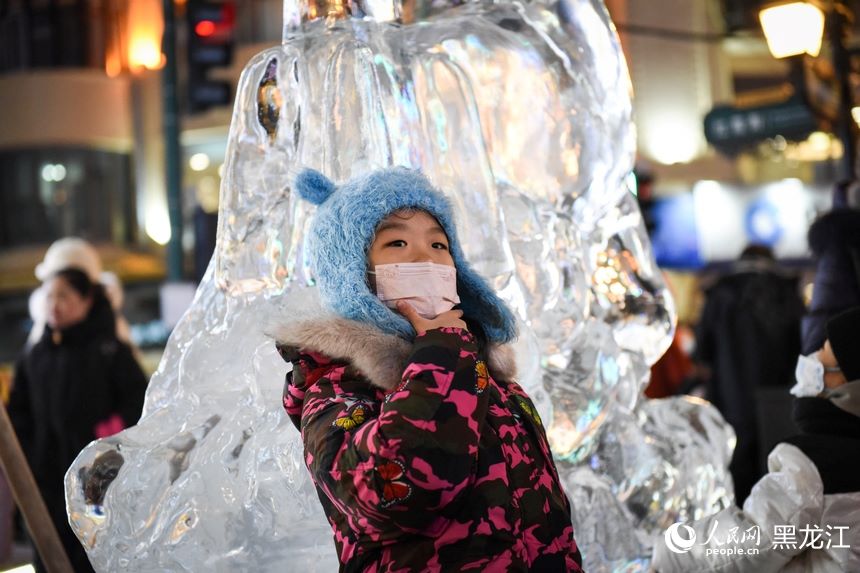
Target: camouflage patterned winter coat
[{"x": 425, "y": 457}]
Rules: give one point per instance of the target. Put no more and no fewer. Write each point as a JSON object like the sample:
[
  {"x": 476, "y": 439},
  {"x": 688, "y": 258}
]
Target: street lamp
[
  {"x": 137, "y": 44},
  {"x": 145, "y": 29},
  {"x": 797, "y": 28},
  {"x": 792, "y": 29}
]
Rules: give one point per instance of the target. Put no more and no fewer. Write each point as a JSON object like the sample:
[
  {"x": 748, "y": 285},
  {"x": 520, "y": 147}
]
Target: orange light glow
[
  {"x": 145, "y": 28},
  {"x": 113, "y": 63},
  {"x": 144, "y": 54},
  {"x": 204, "y": 28}
]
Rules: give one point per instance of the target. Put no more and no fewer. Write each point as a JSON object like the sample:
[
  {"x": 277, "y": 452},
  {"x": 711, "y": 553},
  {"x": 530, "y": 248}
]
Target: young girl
[{"x": 425, "y": 453}]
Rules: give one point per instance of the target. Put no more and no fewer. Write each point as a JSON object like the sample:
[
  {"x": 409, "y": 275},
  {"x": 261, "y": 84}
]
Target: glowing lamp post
[
  {"x": 145, "y": 26},
  {"x": 793, "y": 29},
  {"x": 796, "y": 29},
  {"x": 138, "y": 44}
]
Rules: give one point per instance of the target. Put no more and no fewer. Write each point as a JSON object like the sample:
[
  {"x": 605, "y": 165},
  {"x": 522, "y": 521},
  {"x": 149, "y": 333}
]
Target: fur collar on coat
[{"x": 303, "y": 323}]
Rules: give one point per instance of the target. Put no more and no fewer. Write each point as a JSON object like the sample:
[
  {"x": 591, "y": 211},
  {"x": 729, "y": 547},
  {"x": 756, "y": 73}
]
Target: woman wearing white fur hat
[
  {"x": 76, "y": 382},
  {"x": 77, "y": 253}
]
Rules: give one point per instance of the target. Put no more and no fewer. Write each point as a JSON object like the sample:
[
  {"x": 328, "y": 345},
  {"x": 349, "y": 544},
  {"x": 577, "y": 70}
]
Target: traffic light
[{"x": 210, "y": 45}]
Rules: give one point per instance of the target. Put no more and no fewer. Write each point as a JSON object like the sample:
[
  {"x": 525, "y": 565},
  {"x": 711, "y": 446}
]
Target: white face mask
[
  {"x": 810, "y": 376},
  {"x": 431, "y": 289}
]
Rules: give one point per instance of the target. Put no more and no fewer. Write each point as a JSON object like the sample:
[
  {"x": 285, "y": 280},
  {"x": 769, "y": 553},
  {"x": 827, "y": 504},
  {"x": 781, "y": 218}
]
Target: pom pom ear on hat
[
  {"x": 843, "y": 331},
  {"x": 313, "y": 186}
]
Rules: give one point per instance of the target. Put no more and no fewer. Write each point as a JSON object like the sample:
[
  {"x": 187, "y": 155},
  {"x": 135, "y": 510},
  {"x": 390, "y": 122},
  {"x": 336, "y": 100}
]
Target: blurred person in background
[
  {"x": 835, "y": 243},
  {"x": 672, "y": 374},
  {"x": 812, "y": 487},
  {"x": 748, "y": 337},
  {"x": 63, "y": 253},
  {"x": 77, "y": 253},
  {"x": 78, "y": 382}
]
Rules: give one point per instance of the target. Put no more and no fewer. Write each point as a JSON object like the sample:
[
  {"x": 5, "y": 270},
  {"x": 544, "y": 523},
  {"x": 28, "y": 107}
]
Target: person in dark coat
[
  {"x": 835, "y": 242},
  {"x": 77, "y": 380},
  {"x": 802, "y": 516},
  {"x": 748, "y": 337}
]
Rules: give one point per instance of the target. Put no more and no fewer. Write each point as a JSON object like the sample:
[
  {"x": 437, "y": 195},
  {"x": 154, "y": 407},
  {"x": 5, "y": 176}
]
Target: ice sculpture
[{"x": 521, "y": 112}]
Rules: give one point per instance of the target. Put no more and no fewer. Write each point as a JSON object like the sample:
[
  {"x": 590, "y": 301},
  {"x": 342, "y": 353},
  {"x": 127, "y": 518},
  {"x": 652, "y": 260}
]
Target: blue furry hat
[{"x": 343, "y": 230}]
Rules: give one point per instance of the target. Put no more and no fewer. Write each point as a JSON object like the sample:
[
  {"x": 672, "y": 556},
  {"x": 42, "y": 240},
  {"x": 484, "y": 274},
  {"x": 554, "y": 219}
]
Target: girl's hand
[{"x": 450, "y": 319}]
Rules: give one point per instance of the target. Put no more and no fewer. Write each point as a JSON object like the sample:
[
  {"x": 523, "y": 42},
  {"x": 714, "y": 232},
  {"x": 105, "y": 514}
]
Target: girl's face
[
  {"x": 409, "y": 237},
  {"x": 66, "y": 306}
]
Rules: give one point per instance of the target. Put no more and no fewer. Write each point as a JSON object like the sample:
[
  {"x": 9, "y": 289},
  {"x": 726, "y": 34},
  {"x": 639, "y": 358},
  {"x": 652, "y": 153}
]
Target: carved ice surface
[{"x": 521, "y": 113}]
